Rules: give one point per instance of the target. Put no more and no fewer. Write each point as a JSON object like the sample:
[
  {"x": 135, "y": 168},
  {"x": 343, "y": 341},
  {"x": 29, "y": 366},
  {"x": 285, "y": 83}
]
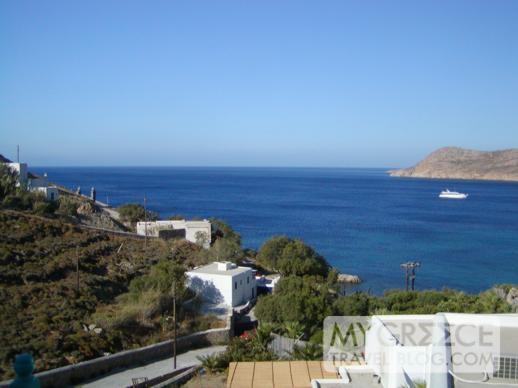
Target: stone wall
[{"x": 74, "y": 374}]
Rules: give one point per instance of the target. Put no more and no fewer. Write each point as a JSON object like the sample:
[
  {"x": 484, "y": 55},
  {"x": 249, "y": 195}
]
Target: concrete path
[{"x": 123, "y": 378}]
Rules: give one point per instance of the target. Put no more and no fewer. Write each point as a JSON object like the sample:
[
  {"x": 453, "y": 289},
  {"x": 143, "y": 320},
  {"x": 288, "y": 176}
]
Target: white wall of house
[
  {"x": 194, "y": 230},
  {"x": 21, "y": 170},
  {"x": 223, "y": 283},
  {"x": 51, "y": 193}
]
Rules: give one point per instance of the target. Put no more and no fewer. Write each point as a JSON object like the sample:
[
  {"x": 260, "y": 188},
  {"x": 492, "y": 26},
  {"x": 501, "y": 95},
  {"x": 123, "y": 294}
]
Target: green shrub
[
  {"x": 12, "y": 201},
  {"x": 222, "y": 230},
  {"x": 291, "y": 257},
  {"x": 213, "y": 363},
  {"x": 296, "y": 299},
  {"x": 8, "y": 181},
  {"x": 133, "y": 213},
  {"x": 44, "y": 208},
  {"x": 309, "y": 351},
  {"x": 67, "y": 206}
]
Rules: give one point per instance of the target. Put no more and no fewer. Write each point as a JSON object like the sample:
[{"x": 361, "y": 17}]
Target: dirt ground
[{"x": 207, "y": 381}]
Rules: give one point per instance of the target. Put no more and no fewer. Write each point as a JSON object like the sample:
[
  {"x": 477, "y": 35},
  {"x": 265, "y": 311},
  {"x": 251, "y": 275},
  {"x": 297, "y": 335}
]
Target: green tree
[
  {"x": 162, "y": 277},
  {"x": 358, "y": 303},
  {"x": 291, "y": 257},
  {"x": 296, "y": 299},
  {"x": 223, "y": 250},
  {"x": 270, "y": 252},
  {"x": 222, "y": 230}
]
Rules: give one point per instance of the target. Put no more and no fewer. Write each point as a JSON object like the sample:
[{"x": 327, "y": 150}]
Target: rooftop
[
  {"x": 221, "y": 268},
  {"x": 3, "y": 159}
]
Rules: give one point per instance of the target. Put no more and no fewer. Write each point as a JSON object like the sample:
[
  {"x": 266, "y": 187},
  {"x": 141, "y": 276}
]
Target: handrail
[{"x": 484, "y": 381}]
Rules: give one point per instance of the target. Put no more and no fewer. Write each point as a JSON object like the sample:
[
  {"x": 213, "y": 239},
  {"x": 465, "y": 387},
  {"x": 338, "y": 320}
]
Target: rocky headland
[{"x": 460, "y": 163}]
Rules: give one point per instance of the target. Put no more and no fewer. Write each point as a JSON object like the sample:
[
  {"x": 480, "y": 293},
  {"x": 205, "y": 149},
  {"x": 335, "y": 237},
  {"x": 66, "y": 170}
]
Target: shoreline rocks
[{"x": 347, "y": 278}]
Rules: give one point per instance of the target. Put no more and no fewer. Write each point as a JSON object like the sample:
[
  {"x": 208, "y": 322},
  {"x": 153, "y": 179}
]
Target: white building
[
  {"x": 33, "y": 182},
  {"x": 198, "y": 232},
  {"x": 51, "y": 193},
  {"x": 444, "y": 350},
  {"x": 21, "y": 170},
  {"x": 223, "y": 282}
]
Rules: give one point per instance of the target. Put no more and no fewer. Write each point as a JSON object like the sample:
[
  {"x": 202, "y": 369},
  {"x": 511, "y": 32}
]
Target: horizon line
[{"x": 207, "y": 166}]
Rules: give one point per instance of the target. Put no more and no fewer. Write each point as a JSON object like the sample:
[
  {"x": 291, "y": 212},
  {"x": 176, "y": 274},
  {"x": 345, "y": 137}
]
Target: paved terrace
[{"x": 123, "y": 378}]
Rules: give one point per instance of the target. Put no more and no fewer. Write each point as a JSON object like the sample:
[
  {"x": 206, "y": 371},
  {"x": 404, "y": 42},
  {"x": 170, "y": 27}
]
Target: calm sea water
[{"x": 363, "y": 221}]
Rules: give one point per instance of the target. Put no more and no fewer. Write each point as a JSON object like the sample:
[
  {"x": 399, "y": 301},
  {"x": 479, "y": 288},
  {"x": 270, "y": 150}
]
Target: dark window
[
  {"x": 240, "y": 282},
  {"x": 248, "y": 280},
  {"x": 235, "y": 285}
]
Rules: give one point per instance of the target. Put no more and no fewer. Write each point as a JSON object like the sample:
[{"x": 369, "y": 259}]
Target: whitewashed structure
[
  {"x": 51, "y": 193},
  {"x": 223, "y": 283},
  {"x": 33, "y": 182},
  {"x": 198, "y": 232},
  {"x": 21, "y": 170},
  {"x": 444, "y": 350}
]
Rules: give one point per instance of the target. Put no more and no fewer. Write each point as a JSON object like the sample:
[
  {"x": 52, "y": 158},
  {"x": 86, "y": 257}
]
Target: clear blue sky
[{"x": 262, "y": 83}]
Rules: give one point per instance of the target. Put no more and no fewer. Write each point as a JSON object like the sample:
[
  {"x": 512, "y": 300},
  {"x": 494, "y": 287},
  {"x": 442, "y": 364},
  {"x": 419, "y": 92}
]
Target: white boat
[{"x": 452, "y": 194}]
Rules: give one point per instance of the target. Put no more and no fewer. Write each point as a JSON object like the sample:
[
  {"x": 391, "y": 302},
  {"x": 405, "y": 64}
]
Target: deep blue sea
[{"x": 363, "y": 221}]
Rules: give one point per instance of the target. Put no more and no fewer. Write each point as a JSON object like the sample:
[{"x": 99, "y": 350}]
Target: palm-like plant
[
  {"x": 293, "y": 329},
  {"x": 310, "y": 351},
  {"x": 212, "y": 363}
]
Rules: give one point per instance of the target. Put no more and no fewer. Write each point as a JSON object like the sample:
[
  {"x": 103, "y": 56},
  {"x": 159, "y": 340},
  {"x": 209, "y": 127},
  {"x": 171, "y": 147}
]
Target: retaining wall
[{"x": 74, "y": 374}]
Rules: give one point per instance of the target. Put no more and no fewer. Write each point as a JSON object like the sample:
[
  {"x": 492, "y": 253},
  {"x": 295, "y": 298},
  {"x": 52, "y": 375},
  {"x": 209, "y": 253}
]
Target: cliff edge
[{"x": 460, "y": 163}]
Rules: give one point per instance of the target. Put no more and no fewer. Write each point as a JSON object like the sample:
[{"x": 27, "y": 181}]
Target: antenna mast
[{"x": 409, "y": 268}]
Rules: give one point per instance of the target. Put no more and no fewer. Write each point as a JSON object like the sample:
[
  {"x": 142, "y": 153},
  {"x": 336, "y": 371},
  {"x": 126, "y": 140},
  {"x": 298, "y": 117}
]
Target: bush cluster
[
  {"x": 46, "y": 315},
  {"x": 291, "y": 257},
  {"x": 133, "y": 213}
]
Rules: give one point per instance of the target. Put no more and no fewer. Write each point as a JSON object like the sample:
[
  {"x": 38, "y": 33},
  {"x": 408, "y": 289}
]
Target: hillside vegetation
[{"x": 44, "y": 313}]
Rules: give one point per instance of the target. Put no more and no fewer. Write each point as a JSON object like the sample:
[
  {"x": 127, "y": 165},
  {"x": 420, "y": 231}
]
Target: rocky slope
[{"x": 459, "y": 163}]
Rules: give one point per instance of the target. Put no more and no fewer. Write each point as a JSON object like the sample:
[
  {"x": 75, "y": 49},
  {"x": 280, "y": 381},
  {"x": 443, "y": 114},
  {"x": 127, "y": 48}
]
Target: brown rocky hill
[{"x": 460, "y": 163}]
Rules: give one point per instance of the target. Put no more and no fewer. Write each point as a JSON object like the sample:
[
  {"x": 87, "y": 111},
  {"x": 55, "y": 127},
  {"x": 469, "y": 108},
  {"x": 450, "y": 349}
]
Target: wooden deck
[{"x": 276, "y": 374}]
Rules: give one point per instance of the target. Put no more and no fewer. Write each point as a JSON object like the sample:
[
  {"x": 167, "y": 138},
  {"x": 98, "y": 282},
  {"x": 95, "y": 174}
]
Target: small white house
[
  {"x": 33, "y": 182},
  {"x": 51, "y": 193},
  {"x": 223, "y": 282},
  {"x": 21, "y": 170},
  {"x": 198, "y": 232}
]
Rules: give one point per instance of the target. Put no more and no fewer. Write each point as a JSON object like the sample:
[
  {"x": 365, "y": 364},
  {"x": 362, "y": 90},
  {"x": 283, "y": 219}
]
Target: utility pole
[
  {"x": 18, "y": 154},
  {"x": 174, "y": 323},
  {"x": 409, "y": 268},
  {"x": 145, "y": 223},
  {"x": 77, "y": 271}
]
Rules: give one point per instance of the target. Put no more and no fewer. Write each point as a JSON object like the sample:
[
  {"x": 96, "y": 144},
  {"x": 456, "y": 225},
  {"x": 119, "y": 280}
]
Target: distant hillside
[{"x": 459, "y": 163}]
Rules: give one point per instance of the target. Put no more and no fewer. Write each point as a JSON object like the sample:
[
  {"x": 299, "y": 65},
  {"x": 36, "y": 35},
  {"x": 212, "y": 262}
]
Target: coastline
[{"x": 362, "y": 221}]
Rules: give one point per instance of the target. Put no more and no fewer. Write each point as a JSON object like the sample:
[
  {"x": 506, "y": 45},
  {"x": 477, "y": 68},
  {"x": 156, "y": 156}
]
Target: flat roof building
[
  {"x": 223, "y": 283},
  {"x": 198, "y": 232}
]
